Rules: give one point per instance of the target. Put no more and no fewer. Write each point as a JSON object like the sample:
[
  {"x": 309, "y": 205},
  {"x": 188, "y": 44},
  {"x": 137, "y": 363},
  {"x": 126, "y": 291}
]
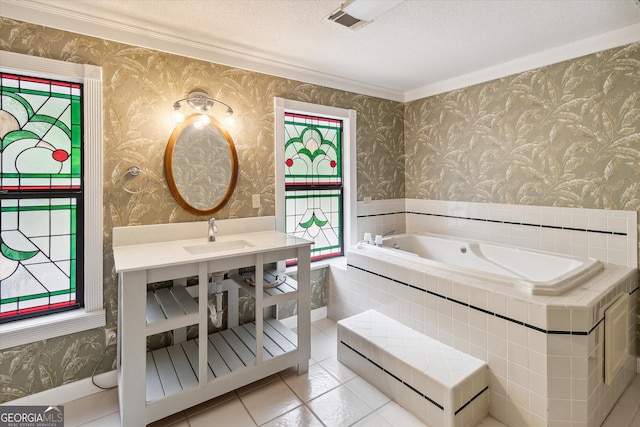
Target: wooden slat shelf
[
  {"x": 175, "y": 368},
  {"x": 170, "y": 308},
  {"x": 272, "y": 295}
]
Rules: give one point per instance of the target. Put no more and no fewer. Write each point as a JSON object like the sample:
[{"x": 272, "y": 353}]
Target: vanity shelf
[
  {"x": 170, "y": 369},
  {"x": 170, "y": 308},
  {"x": 272, "y": 294},
  {"x": 156, "y": 384}
]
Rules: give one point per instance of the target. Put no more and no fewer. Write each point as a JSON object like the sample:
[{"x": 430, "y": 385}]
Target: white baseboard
[
  {"x": 317, "y": 314},
  {"x": 68, "y": 392}
]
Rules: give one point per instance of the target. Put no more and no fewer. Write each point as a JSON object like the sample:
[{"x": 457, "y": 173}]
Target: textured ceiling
[{"x": 408, "y": 51}]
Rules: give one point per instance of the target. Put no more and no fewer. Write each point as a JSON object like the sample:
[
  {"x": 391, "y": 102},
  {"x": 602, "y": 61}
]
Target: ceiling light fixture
[
  {"x": 355, "y": 14},
  {"x": 201, "y": 103}
]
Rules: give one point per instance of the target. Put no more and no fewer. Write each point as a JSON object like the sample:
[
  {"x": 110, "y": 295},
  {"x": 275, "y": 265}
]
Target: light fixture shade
[
  {"x": 178, "y": 116},
  {"x": 230, "y": 120},
  {"x": 201, "y": 102},
  {"x": 204, "y": 120}
]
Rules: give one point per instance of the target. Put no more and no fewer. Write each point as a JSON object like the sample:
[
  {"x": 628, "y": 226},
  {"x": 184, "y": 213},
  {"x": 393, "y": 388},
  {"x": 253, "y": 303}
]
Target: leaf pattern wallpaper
[{"x": 563, "y": 135}]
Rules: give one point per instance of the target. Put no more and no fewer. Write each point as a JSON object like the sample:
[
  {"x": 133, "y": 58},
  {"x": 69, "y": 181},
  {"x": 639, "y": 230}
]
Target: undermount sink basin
[{"x": 213, "y": 247}]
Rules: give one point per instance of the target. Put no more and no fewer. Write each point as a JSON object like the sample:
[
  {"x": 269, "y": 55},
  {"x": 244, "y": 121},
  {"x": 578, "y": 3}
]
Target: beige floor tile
[
  {"x": 230, "y": 413},
  {"x": 630, "y": 398},
  {"x": 339, "y": 407},
  {"x": 373, "y": 397},
  {"x": 92, "y": 407},
  {"x": 326, "y": 325},
  {"x": 396, "y": 415},
  {"x": 619, "y": 416},
  {"x": 373, "y": 420},
  {"x": 337, "y": 369},
  {"x": 491, "y": 422},
  {"x": 322, "y": 345},
  {"x": 270, "y": 401},
  {"x": 312, "y": 384},
  {"x": 301, "y": 416},
  {"x": 111, "y": 420},
  {"x": 636, "y": 382}
]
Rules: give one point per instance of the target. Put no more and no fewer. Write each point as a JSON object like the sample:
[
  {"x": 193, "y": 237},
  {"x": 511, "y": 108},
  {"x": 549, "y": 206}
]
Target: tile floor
[{"x": 328, "y": 395}]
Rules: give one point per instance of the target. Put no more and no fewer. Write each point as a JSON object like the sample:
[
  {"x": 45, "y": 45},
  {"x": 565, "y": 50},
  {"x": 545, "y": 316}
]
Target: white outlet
[
  {"x": 110, "y": 336},
  {"x": 255, "y": 201}
]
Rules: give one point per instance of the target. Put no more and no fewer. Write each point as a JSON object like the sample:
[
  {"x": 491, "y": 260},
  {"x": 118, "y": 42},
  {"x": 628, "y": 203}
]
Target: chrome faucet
[
  {"x": 213, "y": 228},
  {"x": 377, "y": 241}
]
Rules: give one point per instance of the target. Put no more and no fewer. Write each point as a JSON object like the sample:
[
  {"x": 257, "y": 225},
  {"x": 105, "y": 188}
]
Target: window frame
[
  {"x": 348, "y": 118},
  {"x": 92, "y": 315}
]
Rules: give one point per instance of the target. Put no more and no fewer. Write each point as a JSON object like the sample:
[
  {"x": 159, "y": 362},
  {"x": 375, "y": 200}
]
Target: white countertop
[{"x": 144, "y": 256}]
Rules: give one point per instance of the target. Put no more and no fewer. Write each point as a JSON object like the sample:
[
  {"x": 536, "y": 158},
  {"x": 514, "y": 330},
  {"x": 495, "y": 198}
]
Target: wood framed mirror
[{"x": 201, "y": 165}]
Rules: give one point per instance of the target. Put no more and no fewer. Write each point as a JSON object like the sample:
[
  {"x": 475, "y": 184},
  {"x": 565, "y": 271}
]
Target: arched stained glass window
[
  {"x": 41, "y": 196},
  {"x": 313, "y": 182}
]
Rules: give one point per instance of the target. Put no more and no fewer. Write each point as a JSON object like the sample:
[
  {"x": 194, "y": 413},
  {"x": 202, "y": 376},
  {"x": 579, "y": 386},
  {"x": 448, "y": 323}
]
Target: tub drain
[{"x": 463, "y": 250}]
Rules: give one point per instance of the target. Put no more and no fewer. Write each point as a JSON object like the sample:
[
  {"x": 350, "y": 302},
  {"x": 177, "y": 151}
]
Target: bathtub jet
[{"x": 534, "y": 272}]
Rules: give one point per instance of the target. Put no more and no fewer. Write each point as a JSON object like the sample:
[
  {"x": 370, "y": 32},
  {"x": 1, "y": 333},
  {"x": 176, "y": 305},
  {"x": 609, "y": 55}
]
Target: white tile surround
[
  {"x": 545, "y": 354},
  {"x": 441, "y": 386},
  {"x": 322, "y": 392},
  {"x": 608, "y": 235}
]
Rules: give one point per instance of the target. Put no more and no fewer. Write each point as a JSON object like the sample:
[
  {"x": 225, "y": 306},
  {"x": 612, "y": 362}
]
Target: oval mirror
[{"x": 201, "y": 165}]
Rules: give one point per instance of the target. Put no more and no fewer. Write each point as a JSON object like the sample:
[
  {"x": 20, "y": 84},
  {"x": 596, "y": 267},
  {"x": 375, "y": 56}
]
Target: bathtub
[{"x": 531, "y": 271}]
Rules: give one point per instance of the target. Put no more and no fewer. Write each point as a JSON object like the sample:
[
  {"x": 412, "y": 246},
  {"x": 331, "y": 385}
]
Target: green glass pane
[
  {"x": 42, "y": 134},
  {"x": 76, "y": 161},
  {"x": 76, "y": 110},
  {"x": 312, "y": 150},
  {"x": 316, "y": 215},
  {"x": 38, "y": 250}
]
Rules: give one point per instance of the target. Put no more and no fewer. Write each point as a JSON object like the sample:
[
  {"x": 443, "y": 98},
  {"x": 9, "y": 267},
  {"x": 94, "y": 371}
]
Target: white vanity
[{"x": 155, "y": 385}]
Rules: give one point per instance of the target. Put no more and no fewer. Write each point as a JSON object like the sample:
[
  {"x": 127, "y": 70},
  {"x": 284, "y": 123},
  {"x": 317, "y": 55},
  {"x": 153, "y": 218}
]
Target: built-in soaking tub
[{"x": 534, "y": 272}]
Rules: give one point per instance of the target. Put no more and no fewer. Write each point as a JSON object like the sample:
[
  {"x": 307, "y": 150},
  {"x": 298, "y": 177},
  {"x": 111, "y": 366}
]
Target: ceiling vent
[
  {"x": 356, "y": 14},
  {"x": 343, "y": 18}
]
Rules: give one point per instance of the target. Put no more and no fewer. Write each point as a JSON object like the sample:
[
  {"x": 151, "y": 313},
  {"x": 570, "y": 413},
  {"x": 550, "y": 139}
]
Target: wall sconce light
[{"x": 200, "y": 102}]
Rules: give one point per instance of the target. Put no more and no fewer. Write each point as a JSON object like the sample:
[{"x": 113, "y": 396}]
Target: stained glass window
[
  {"x": 40, "y": 196},
  {"x": 313, "y": 182}
]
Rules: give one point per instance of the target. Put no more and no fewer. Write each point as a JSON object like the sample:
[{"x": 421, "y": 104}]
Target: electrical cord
[{"x": 93, "y": 374}]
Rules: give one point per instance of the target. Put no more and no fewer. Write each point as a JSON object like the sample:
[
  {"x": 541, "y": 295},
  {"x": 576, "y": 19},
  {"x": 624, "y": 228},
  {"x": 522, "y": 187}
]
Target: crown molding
[
  {"x": 611, "y": 39},
  {"x": 108, "y": 30}
]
